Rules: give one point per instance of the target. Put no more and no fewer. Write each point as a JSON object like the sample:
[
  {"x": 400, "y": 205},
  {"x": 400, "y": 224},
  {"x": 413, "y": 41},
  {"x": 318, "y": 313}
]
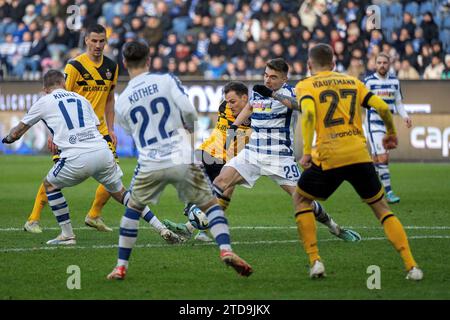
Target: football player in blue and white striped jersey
[
  {"x": 386, "y": 86},
  {"x": 273, "y": 110}
]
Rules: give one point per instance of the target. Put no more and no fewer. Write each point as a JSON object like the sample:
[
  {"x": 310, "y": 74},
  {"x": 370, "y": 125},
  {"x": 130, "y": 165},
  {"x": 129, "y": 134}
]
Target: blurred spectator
[
  {"x": 230, "y": 15},
  {"x": 216, "y": 47},
  {"x": 298, "y": 69},
  {"x": 157, "y": 65},
  {"x": 153, "y": 32},
  {"x": 172, "y": 66},
  {"x": 308, "y": 15},
  {"x": 424, "y": 59},
  {"x": 407, "y": 71},
  {"x": 7, "y": 52},
  {"x": 212, "y": 34},
  {"x": 356, "y": 68},
  {"x": 241, "y": 67},
  {"x": 342, "y": 57},
  {"x": 234, "y": 46},
  {"x": 258, "y": 68},
  {"x": 278, "y": 51},
  {"x": 446, "y": 73},
  {"x": 408, "y": 24},
  {"x": 429, "y": 27},
  {"x": 436, "y": 47},
  {"x": 30, "y": 15},
  {"x": 60, "y": 43},
  {"x": 193, "y": 70},
  {"x": 216, "y": 68},
  {"x": 435, "y": 69},
  {"x": 31, "y": 61},
  {"x": 410, "y": 55}
]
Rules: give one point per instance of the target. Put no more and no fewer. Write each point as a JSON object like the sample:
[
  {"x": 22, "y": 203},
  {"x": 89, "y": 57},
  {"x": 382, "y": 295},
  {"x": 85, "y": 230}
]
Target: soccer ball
[{"x": 196, "y": 217}]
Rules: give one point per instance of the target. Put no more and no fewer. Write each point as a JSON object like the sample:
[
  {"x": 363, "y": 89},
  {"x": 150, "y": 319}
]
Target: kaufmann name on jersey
[
  {"x": 387, "y": 89},
  {"x": 272, "y": 125},
  {"x": 71, "y": 120},
  {"x": 150, "y": 110}
]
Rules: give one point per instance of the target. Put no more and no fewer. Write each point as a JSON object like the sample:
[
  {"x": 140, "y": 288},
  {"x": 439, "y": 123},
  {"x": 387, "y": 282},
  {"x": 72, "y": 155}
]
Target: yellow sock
[
  {"x": 101, "y": 197},
  {"x": 39, "y": 203},
  {"x": 397, "y": 236},
  {"x": 306, "y": 226},
  {"x": 224, "y": 203}
]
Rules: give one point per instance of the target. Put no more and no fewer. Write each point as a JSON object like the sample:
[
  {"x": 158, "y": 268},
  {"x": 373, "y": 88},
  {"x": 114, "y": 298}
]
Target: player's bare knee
[
  {"x": 380, "y": 207},
  {"x": 221, "y": 181},
  {"x": 209, "y": 204},
  {"x": 48, "y": 186},
  {"x": 383, "y": 159},
  {"x": 135, "y": 206}
]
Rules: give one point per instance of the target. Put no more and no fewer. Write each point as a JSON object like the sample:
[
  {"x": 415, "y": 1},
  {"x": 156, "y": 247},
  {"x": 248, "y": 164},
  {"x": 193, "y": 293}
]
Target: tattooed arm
[
  {"x": 290, "y": 102},
  {"x": 16, "y": 133}
]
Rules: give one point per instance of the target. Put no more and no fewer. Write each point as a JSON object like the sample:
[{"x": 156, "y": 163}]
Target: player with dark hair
[
  {"x": 387, "y": 87},
  {"x": 270, "y": 149},
  {"x": 330, "y": 103},
  {"x": 155, "y": 111},
  {"x": 94, "y": 76},
  {"x": 83, "y": 152},
  {"x": 215, "y": 151}
]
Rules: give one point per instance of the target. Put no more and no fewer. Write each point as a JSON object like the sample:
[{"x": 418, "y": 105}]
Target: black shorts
[
  {"x": 211, "y": 165},
  {"x": 317, "y": 184}
]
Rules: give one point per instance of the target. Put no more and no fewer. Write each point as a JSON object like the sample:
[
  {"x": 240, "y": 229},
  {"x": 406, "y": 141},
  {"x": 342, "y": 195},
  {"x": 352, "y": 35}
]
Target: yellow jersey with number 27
[{"x": 338, "y": 99}]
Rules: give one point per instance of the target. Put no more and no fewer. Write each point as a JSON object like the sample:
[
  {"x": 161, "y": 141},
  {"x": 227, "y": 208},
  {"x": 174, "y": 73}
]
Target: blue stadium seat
[
  {"x": 383, "y": 10},
  {"x": 426, "y": 6},
  {"x": 396, "y": 10},
  {"x": 446, "y": 22},
  {"x": 413, "y": 8},
  {"x": 444, "y": 36}
]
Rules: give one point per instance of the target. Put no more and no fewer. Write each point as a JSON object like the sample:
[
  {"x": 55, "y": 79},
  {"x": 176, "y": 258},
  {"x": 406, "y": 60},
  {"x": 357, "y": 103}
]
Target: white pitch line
[
  {"x": 253, "y": 227},
  {"x": 262, "y": 242}
]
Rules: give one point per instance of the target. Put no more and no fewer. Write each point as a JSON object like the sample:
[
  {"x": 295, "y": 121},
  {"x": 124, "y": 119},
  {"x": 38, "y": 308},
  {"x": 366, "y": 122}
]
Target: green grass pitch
[{"x": 263, "y": 232}]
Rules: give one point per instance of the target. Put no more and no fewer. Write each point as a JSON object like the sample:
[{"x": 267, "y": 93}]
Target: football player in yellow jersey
[
  {"x": 215, "y": 151},
  {"x": 330, "y": 103},
  {"x": 93, "y": 76}
]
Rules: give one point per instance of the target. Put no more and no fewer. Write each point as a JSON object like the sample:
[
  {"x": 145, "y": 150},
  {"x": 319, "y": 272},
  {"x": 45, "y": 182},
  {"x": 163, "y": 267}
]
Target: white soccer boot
[
  {"x": 415, "y": 274},
  {"x": 97, "y": 223},
  {"x": 317, "y": 270},
  {"x": 170, "y": 236},
  {"x": 62, "y": 240},
  {"x": 32, "y": 227}
]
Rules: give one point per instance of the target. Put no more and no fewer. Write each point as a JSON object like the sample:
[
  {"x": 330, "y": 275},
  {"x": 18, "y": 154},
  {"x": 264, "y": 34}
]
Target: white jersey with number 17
[{"x": 71, "y": 120}]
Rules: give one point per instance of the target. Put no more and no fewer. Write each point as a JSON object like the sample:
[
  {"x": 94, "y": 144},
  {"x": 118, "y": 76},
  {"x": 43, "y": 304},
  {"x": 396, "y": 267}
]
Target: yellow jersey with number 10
[
  {"x": 338, "y": 99},
  {"x": 92, "y": 81}
]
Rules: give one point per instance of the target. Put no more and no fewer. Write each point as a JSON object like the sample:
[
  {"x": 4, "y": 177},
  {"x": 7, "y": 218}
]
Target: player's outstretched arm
[
  {"x": 16, "y": 133},
  {"x": 383, "y": 110},
  {"x": 243, "y": 116},
  {"x": 308, "y": 123},
  {"x": 109, "y": 115},
  {"x": 390, "y": 140},
  {"x": 290, "y": 102}
]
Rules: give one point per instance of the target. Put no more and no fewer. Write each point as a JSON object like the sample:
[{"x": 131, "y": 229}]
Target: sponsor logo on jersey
[
  {"x": 261, "y": 107},
  {"x": 73, "y": 139}
]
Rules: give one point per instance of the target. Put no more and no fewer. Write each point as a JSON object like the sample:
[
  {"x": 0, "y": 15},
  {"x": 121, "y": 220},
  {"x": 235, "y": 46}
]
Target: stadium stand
[{"x": 229, "y": 39}]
